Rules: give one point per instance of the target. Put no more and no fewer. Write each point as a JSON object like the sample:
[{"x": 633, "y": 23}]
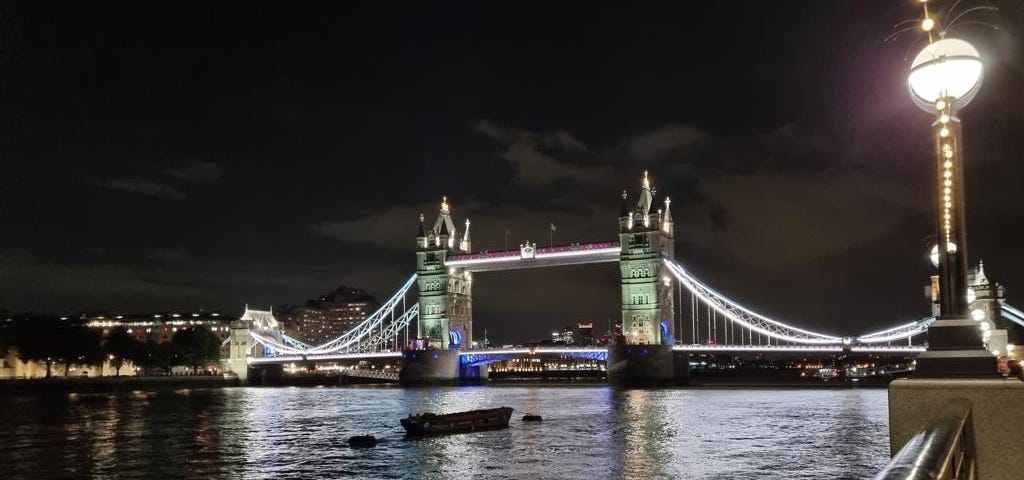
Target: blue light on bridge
[{"x": 485, "y": 357}]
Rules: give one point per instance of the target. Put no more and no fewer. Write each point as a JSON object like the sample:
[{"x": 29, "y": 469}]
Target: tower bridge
[{"x": 666, "y": 312}]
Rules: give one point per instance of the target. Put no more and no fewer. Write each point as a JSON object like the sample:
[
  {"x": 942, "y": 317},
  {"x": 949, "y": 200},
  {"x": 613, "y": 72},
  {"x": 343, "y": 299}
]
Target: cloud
[
  {"x": 561, "y": 139},
  {"x": 141, "y": 186},
  {"x": 392, "y": 229},
  {"x": 532, "y": 156},
  {"x": 195, "y": 172},
  {"x": 775, "y": 220},
  {"x": 671, "y": 138}
]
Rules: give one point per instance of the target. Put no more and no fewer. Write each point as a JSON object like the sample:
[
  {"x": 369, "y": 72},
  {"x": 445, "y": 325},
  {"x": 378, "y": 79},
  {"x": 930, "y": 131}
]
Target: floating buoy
[
  {"x": 362, "y": 441},
  {"x": 529, "y": 417}
]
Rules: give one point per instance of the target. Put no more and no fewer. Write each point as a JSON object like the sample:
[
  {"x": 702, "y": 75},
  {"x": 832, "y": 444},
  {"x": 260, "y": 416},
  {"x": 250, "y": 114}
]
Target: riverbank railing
[{"x": 943, "y": 450}]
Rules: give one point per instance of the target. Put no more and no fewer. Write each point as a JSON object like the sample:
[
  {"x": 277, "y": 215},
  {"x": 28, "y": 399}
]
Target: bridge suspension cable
[
  {"x": 718, "y": 304},
  {"x": 382, "y": 327}
]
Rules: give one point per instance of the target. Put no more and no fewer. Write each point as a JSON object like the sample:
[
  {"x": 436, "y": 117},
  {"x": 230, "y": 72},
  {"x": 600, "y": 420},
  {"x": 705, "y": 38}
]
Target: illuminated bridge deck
[
  {"x": 527, "y": 257},
  {"x": 485, "y": 356}
]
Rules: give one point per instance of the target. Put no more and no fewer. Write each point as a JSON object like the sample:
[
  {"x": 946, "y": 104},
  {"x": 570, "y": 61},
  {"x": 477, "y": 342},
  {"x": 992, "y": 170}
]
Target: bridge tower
[
  {"x": 445, "y": 293},
  {"x": 643, "y": 355},
  {"x": 647, "y": 237}
]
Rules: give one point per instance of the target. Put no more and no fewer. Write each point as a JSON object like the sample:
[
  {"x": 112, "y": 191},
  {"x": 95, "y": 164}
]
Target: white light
[
  {"x": 949, "y": 68},
  {"x": 978, "y": 315},
  {"x": 950, "y": 247},
  {"x": 984, "y": 326},
  {"x": 971, "y": 296},
  {"x": 944, "y": 132}
]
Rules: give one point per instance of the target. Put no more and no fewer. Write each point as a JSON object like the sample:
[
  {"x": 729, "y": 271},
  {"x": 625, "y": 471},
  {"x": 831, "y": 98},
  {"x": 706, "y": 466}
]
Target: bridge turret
[
  {"x": 444, "y": 228},
  {"x": 466, "y": 245},
  {"x": 445, "y": 293},
  {"x": 643, "y": 206},
  {"x": 667, "y": 226},
  {"x": 625, "y": 218},
  {"x": 421, "y": 235},
  {"x": 646, "y": 238}
]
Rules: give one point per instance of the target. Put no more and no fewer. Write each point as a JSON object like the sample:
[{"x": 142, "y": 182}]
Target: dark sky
[{"x": 194, "y": 155}]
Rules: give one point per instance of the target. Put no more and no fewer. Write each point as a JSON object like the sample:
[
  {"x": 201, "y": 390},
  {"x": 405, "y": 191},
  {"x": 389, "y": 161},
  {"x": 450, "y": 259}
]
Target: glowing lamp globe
[
  {"x": 934, "y": 255},
  {"x": 948, "y": 69}
]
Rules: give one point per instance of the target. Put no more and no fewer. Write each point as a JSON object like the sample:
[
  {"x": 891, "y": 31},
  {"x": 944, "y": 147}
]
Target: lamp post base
[{"x": 955, "y": 351}]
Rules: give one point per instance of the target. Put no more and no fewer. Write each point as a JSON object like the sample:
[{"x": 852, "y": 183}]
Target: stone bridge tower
[
  {"x": 643, "y": 355},
  {"x": 445, "y": 293},
  {"x": 647, "y": 237}
]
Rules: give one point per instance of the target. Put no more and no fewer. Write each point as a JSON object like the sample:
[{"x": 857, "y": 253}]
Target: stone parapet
[{"x": 997, "y": 417}]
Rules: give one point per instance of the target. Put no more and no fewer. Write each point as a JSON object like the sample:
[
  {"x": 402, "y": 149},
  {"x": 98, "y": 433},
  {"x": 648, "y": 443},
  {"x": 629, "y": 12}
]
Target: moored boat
[{"x": 434, "y": 424}]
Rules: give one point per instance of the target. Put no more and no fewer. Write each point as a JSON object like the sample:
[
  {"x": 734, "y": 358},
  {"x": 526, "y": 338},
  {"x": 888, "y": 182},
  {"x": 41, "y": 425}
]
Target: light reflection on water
[{"x": 587, "y": 433}]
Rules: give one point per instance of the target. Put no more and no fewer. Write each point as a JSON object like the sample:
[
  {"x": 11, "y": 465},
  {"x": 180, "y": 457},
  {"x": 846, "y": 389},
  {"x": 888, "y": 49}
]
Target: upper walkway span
[{"x": 530, "y": 256}]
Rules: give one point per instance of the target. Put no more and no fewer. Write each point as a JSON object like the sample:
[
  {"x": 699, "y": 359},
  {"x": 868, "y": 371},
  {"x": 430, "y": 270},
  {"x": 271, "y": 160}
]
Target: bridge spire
[
  {"x": 646, "y": 197},
  {"x": 666, "y": 219},
  {"x": 465, "y": 245},
  {"x": 444, "y": 228}
]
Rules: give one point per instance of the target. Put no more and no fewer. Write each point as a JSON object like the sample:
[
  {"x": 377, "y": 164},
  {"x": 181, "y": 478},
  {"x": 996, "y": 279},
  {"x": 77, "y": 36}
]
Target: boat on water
[{"x": 434, "y": 424}]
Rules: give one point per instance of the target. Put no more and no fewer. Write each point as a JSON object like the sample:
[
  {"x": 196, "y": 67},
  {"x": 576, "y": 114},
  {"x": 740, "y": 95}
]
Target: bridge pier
[
  {"x": 647, "y": 366},
  {"x": 473, "y": 374},
  {"x": 429, "y": 367},
  {"x": 238, "y": 352}
]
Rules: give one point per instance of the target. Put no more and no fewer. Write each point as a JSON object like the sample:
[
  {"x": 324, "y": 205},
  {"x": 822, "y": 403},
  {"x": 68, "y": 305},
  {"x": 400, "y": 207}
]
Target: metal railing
[{"x": 943, "y": 450}]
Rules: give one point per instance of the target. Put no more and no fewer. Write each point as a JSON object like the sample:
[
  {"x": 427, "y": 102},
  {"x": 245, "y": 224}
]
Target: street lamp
[{"x": 943, "y": 78}]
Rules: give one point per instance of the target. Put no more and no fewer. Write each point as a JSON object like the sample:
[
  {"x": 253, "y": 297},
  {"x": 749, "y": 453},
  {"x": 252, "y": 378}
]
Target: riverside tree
[{"x": 197, "y": 346}]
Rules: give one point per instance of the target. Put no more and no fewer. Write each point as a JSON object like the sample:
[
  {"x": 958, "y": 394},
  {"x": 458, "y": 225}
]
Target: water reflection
[{"x": 587, "y": 432}]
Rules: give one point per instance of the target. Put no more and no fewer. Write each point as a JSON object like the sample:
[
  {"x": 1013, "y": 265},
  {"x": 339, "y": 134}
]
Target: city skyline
[{"x": 264, "y": 164}]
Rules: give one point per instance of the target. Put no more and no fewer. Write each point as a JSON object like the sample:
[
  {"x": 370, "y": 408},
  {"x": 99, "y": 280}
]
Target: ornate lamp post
[{"x": 943, "y": 78}]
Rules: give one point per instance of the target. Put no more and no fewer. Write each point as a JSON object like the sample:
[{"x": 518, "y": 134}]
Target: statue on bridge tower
[
  {"x": 445, "y": 293},
  {"x": 647, "y": 237}
]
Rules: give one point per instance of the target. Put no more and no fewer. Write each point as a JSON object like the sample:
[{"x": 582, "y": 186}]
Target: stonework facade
[
  {"x": 647, "y": 238},
  {"x": 445, "y": 293}
]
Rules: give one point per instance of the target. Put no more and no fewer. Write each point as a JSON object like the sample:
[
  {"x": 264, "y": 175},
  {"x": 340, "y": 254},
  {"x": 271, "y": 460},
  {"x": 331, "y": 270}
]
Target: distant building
[
  {"x": 585, "y": 334},
  {"x": 1001, "y": 334},
  {"x": 159, "y": 327},
  {"x": 328, "y": 316},
  {"x": 565, "y": 336}
]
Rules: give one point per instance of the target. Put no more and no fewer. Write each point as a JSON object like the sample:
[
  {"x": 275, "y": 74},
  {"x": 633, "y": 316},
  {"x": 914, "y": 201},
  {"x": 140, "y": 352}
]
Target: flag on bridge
[{"x": 554, "y": 228}]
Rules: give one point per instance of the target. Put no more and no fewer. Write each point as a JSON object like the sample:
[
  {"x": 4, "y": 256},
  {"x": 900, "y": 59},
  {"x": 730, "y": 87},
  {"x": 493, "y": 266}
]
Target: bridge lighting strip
[
  {"x": 580, "y": 253},
  {"x": 1012, "y": 314},
  {"x": 891, "y": 349},
  {"x": 690, "y": 283},
  {"x": 515, "y": 351},
  {"x": 901, "y": 332},
  {"x": 476, "y": 261},
  {"x": 274, "y": 345},
  {"x": 295, "y": 342},
  {"x": 322, "y": 357},
  {"x": 757, "y": 348},
  {"x": 537, "y": 256}
]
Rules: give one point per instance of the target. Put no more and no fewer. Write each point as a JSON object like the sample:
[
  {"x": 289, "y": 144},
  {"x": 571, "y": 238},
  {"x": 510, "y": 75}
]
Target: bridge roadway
[{"x": 485, "y": 356}]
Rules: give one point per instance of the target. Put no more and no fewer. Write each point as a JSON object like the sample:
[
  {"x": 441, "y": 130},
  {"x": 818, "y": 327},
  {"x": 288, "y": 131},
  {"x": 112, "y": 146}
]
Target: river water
[{"x": 588, "y": 432}]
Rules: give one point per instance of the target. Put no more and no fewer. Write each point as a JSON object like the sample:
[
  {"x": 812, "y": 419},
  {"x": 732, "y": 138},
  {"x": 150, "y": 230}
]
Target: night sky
[{"x": 197, "y": 155}]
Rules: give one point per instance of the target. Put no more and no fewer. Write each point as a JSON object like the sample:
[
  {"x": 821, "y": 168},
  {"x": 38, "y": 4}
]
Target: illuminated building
[
  {"x": 159, "y": 327},
  {"x": 328, "y": 316}
]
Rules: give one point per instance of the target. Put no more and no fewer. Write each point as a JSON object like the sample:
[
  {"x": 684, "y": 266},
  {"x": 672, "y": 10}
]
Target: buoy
[
  {"x": 362, "y": 441},
  {"x": 529, "y": 417}
]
